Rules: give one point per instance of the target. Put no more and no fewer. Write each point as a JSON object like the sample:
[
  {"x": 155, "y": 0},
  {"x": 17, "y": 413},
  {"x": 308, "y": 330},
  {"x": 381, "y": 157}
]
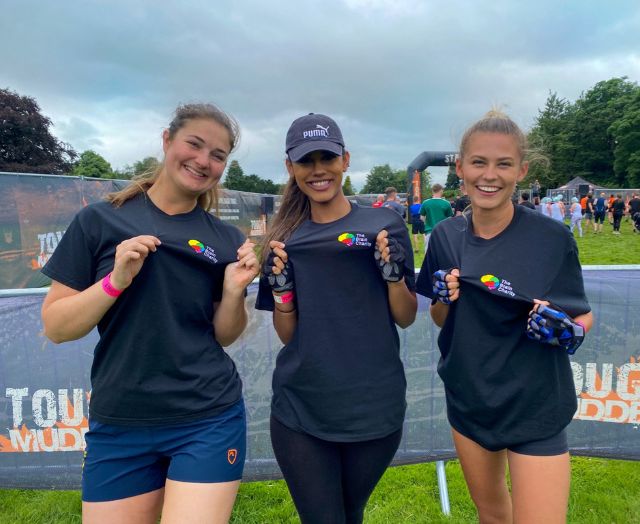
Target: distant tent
[{"x": 576, "y": 182}]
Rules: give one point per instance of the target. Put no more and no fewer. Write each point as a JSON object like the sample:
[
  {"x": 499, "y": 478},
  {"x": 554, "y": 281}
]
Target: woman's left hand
[{"x": 238, "y": 275}]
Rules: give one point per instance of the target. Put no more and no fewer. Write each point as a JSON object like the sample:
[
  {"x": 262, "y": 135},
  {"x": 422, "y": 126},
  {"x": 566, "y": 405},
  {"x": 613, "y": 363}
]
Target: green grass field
[{"x": 603, "y": 491}]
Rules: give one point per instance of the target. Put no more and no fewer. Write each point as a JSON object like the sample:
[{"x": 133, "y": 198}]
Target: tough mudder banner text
[{"x": 45, "y": 390}]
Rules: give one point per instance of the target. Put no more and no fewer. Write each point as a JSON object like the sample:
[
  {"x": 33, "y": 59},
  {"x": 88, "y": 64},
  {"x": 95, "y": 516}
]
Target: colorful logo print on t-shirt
[
  {"x": 196, "y": 245},
  {"x": 490, "y": 281},
  {"x": 347, "y": 239}
]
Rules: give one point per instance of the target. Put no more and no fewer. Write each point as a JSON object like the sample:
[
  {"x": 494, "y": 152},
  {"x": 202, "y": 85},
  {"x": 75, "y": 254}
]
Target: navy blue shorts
[
  {"x": 548, "y": 447},
  {"x": 124, "y": 461}
]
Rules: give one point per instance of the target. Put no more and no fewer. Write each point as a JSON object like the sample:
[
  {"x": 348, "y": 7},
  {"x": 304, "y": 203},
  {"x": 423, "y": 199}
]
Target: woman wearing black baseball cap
[{"x": 338, "y": 278}]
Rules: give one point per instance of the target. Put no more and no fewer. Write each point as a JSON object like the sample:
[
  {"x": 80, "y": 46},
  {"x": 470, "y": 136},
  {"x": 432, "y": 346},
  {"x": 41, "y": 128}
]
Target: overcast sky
[{"x": 399, "y": 76}]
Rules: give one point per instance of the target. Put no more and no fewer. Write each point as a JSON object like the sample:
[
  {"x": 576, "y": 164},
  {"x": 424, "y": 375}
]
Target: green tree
[
  {"x": 347, "y": 188},
  {"x": 626, "y": 135},
  {"x": 553, "y": 151},
  {"x": 26, "y": 142},
  {"x": 92, "y": 165},
  {"x": 596, "y": 112},
  {"x": 382, "y": 177},
  {"x": 453, "y": 182},
  {"x": 235, "y": 178},
  {"x": 238, "y": 181},
  {"x": 147, "y": 165}
]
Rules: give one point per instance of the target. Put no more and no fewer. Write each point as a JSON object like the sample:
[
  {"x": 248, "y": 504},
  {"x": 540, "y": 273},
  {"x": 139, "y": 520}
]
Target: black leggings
[
  {"x": 617, "y": 217},
  {"x": 330, "y": 482}
]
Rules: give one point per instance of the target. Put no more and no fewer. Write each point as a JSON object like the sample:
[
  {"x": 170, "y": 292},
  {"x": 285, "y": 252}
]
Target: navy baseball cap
[{"x": 313, "y": 132}]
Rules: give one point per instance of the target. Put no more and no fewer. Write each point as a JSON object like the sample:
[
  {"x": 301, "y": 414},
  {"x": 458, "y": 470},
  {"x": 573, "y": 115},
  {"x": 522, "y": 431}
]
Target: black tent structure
[{"x": 422, "y": 162}]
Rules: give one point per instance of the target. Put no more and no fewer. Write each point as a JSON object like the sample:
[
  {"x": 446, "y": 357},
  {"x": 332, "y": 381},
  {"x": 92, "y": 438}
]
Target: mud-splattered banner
[
  {"x": 35, "y": 211},
  {"x": 45, "y": 391}
]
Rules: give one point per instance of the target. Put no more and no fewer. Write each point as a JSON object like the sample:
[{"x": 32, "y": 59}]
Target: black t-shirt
[
  {"x": 157, "y": 361},
  {"x": 461, "y": 204},
  {"x": 502, "y": 388},
  {"x": 528, "y": 204},
  {"x": 589, "y": 205},
  {"x": 618, "y": 206},
  {"x": 340, "y": 378},
  {"x": 634, "y": 206}
]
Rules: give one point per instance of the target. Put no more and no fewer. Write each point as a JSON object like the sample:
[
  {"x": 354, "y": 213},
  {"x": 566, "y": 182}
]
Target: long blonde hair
[{"x": 183, "y": 114}]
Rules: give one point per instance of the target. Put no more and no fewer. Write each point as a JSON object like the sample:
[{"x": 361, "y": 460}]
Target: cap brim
[{"x": 296, "y": 153}]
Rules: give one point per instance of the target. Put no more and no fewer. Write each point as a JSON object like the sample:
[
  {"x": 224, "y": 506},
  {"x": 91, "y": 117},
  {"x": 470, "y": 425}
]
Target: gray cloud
[{"x": 399, "y": 76}]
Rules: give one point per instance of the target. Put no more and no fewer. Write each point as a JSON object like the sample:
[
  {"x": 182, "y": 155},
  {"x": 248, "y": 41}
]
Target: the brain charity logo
[
  {"x": 347, "y": 239},
  {"x": 196, "y": 245},
  {"x": 490, "y": 281}
]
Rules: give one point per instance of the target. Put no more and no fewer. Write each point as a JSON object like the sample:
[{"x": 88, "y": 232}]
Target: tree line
[{"x": 596, "y": 137}]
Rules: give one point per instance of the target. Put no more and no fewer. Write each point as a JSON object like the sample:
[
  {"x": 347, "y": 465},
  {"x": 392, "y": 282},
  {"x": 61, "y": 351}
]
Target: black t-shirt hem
[
  {"x": 164, "y": 421},
  {"x": 336, "y": 437}
]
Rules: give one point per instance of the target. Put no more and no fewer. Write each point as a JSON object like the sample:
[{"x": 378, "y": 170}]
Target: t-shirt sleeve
[
  {"x": 448, "y": 211},
  {"x": 430, "y": 264},
  {"x": 72, "y": 263},
  {"x": 264, "y": 300},
  {"x": 567, "y": 289},
  {"x": 237, "y": 239}
]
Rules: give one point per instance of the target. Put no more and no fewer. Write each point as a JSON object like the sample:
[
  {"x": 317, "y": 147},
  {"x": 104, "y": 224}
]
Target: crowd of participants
[
  {"x": 581, "y": 215},
  {"x": 165, "y": 281},
  {"x": 590, "y": 212}
]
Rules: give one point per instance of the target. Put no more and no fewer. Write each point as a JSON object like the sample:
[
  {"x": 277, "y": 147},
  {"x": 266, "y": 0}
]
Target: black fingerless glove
[{"x": 392, "y": 271}]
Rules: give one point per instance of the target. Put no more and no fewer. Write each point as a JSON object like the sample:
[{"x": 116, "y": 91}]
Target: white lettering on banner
[
  {"x": 50, "y": 403},
  {"x": 450, "y": 159},
  {"x": 258, "y": 227},
  {"x": 48, "y": 244},
  {"x": 597, "y": 398},
  {"x": 61, "y": 424},
  {"x": 16, "y": 396},
  {"x": 229, "y": 217},
  {"x": 227, "y": 200}
]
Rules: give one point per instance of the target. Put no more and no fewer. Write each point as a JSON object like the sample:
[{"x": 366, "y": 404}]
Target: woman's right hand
[
  {"x": 130, "y": 255},
  {"x": 446, "y": 285},
  {"x": 277, "y": 268}
]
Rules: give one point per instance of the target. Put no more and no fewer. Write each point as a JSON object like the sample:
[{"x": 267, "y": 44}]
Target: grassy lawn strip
[{"x": 601, "y": 491}]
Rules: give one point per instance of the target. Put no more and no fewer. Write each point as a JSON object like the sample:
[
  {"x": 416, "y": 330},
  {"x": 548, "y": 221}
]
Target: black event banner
[
  {"x": 35, "y": 211},
  {"x": 45, "y": 391}
]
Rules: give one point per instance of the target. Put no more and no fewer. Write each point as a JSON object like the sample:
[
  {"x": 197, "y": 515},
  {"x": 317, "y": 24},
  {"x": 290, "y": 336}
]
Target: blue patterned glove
[
  {"x": 440, "y": 289},
  {"x": 279, "y": 283},
  {"x": 555, "y": 327}
]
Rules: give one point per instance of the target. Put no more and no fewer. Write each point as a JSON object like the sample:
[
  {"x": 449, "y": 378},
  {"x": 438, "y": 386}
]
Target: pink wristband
[
  {"x": 108, "y": 287},
  {"x": 284, "y": 298}
]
